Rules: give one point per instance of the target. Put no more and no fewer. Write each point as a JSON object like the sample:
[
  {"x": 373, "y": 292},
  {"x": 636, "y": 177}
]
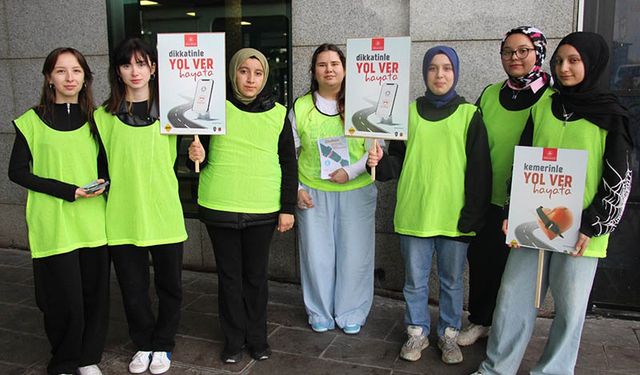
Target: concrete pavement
[{"x": 609, "y": 346}]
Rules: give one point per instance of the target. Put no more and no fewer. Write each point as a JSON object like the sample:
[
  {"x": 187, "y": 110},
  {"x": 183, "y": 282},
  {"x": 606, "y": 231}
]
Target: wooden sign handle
[
  {"x": 373, "y": 169},
  {"x": 196, "y": 138},
  {"x": 539, "y": 278}
]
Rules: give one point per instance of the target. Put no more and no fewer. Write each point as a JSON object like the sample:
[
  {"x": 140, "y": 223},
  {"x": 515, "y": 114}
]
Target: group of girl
[
  {"x": 447, "y": 204},
  {"x": 62, "y": 145},
  {"x": 264, "y": 174}
]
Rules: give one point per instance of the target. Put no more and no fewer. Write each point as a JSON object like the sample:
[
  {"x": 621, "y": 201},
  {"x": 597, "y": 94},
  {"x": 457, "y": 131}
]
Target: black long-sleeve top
[
  {"x": 605, "y": 211},
  {"x": 287, "y": 160},
  {"x": 66, "y": 117},
  {"x": 477, "y": 184}
]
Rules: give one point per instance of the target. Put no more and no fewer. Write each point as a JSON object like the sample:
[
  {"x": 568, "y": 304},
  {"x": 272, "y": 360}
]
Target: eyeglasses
[{"x": 520, "y": 53}]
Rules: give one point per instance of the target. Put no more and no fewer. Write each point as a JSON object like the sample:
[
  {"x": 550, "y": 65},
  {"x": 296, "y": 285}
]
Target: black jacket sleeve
[
  {"x": 103, "y": 164},
  {"x": 20, "y": 172},
  {"x": 477, "y": 182},
  {"x": 605, "y": 211},
  {"x": 390, "y": 166},
  {"x": 289, "y": 168}
]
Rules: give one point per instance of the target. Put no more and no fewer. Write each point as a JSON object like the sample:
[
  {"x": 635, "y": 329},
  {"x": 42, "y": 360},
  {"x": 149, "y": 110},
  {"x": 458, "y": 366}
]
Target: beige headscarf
[{"x": 237, "y": 60}]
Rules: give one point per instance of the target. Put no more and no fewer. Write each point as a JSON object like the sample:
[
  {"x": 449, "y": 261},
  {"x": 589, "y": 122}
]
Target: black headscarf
[{"x": 586, "y": 99}]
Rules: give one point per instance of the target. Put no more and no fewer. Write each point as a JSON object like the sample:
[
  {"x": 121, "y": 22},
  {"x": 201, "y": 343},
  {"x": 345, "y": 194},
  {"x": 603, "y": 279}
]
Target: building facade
[{"x": 30, "y": 29}]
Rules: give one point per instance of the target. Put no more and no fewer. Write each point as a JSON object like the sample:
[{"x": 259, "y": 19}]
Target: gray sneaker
[
  {"x": 472, "y": 333},
  {"x": 451, "y": 353},
  {"x": 416, "y": 343}
]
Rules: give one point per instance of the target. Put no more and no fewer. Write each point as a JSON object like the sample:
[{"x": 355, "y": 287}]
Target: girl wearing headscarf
[
  {"x": 443, "y": 193},
  {"x": 247, "y": 189},
  {"x": 505, "y": 109},
  {"x": 144, "y": 214},
  {"x": 336, "y": 228},
  {"x": 582, "y": 116}
]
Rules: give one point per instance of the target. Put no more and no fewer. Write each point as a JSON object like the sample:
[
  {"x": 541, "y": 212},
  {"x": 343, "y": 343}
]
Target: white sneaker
[
  {"x": 140, "y": 362},
  {"x": 417, "y": 342},
  {"x": 160, "y": 363},
  {"x": 472, "y": 333},
  {"x": 451, "y": 352},
  {"x": 89, "y": 370}
]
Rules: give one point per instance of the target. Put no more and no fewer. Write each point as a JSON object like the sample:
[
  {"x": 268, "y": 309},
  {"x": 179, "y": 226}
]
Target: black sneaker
[
  {"x": 231, "y": 358},
  {"x": 261, "y": 355}
]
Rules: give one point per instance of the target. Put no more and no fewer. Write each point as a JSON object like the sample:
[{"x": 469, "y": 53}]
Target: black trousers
[
  {"x": 487, "y": 256},
  {"x": 242, "y": 259},
  {"x": 131, "y": 263},
  {"x": 72, "y": 290}
]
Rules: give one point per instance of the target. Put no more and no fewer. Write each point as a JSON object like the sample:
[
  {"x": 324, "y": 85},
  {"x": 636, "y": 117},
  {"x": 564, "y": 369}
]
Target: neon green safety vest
[
  {"x": 581, "y": 134},
  {"x": 312, "y": 126},
  {"x": 431, "y": 185},
  {"x": 57, "y": 226},
  {"x": 504, "y": 128},
  {"x": 144, "y": 207},
  {"x": 243, "y": 172}
]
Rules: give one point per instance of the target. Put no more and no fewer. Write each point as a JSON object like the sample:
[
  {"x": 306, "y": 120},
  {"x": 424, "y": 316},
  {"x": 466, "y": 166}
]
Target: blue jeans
[
  {"x": 451, "y": 256},
  {"x": 337, "y": 246},
  {"x": 570, "y": 280}
]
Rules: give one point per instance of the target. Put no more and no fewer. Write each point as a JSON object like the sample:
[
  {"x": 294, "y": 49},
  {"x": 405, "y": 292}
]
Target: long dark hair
[
  {"x": 314, "y": 82},
  {"x": 122, "y": 55},
  {"x": 48, "y": 95}
]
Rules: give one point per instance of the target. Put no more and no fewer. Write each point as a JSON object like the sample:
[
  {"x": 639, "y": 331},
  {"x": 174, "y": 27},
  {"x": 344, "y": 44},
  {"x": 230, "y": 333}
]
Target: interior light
[
  {"x": 145, "y": 3},
  {"x": 192, "y": 14},
  {"x": 245, "y": 23}
]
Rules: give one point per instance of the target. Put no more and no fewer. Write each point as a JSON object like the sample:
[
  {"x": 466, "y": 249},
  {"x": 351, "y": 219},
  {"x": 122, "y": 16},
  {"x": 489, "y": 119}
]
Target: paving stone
[
  {"x": 611, "y": 332},
  {"x": 21, "y": 349},
  {"x": 377, "y": 328},
  {"x": 431, "y": 363},
  {"x": 286, "y": 315},
  {"x": 200, "y": 325},
  {"x": 289, "y": 364},
  {"x": 14, "y": 293},
  {"x": 118, "y": 335},
  {"x": 21, "y": 319},
  {"x": 11, "y": 369},
  {"x": 205, "y": 303},
  {"x": 622, "y": 358},
  {"x": 17, "y": 258},
  {"x": 593, "y": 356},
  {"x": 301, "y": 341},
  {"x": 363, "y": 351},
  {"x": 207, "y": 284},
  {"x": 205, "y": 354},
  {"x": 19, "y": 275}
]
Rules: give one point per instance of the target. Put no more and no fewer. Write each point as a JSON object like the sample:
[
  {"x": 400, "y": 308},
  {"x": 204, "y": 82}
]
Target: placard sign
[
  {"x": 191, "y": 72},
  {"x": 546, "y": 198},
  {"x": 377, "y": 89}
]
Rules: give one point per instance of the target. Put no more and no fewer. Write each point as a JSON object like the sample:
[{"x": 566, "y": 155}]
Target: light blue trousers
[
  {"x": 570, "y": 280},
  {"x": 337, "y": 246},
  {"x": 451, "y": 257}
]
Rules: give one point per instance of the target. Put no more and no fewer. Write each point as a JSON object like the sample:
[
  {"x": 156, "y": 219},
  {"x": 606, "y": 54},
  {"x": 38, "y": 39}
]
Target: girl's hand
[
  {"x": 304, "y": 199},
  {"x": 581, "y": 245},
  {"x": 285, "y": 222},
  {"x": 81, "y": 193},
  {"x": 196, "y": 151},
  {"x": 505, "y": 227},
  {"x": 375, "y": 154},
  {"x": 339, "y": 176}
]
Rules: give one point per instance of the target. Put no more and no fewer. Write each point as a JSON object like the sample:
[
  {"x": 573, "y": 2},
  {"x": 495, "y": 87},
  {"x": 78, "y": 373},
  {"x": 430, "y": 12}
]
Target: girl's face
[
  {"x": 517, "y": 45},
  {"x": 137, "y": 73},
  {"x": 568, "y": 66},
  {"x": 440, "y": 75},
  {"x": 328, "y": 70},
  {"x": 249, "y": 77},
  {"x": 67, "y": 78}
]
